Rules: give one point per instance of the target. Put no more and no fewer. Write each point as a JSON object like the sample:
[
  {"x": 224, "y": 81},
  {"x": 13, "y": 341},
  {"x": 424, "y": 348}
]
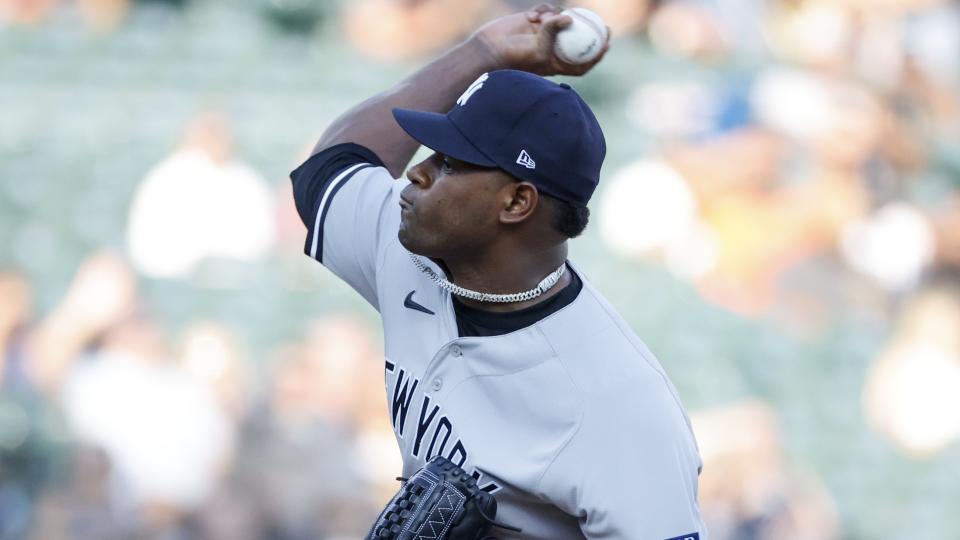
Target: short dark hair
[{"x": 566, "y": 218}]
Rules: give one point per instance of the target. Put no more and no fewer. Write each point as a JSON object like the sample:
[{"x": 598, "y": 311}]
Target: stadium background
[{"x": 778, "y": 218}]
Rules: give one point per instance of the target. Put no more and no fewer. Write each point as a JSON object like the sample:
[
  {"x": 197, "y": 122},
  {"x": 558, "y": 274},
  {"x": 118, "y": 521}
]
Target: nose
[{"x": 419, "y": 175}]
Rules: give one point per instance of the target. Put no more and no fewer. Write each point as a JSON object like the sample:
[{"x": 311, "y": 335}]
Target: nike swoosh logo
[{"x": 409, "y": 303}]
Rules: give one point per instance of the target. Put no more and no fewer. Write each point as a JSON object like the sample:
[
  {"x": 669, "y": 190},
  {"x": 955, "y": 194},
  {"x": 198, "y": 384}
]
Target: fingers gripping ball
[
  {"x": 439, "y": 502},
  {"x": 583, "y": 40}
]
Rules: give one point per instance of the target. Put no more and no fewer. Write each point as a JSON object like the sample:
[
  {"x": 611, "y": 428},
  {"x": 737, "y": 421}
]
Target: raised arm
[{"x": 520, "y": 41}]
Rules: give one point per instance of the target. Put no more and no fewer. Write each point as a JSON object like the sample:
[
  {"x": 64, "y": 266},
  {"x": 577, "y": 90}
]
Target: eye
[{"x": 445, "y": 166}]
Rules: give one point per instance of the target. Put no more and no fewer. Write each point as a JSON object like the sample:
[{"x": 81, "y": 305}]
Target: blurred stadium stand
[{"x": 777, "y": 315}]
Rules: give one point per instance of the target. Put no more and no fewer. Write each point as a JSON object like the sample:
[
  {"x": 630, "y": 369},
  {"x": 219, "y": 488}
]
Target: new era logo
[
  {"x": 525, "y": 160},
  {"x": 472, "y": 89}
]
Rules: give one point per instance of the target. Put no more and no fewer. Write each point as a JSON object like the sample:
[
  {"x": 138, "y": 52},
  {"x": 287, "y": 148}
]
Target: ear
[{"x": 520, "y": 199}]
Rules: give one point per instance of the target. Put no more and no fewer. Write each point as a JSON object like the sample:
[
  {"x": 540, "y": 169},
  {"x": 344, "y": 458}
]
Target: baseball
[{"x": 583, "y": 40}]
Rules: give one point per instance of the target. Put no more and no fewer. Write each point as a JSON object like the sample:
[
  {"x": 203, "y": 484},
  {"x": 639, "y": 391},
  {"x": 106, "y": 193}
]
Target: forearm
[{"x": 434, "y": 87}]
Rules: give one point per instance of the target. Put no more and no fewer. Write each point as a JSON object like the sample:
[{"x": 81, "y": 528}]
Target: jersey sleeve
[
  {"x": 627, "y": 478},
  {"x": 344, "y": 196}
]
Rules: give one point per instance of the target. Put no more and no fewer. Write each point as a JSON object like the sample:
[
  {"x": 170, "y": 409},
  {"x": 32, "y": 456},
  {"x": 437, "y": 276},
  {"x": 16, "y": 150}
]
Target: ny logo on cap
[
  {"x": 472, "y": 89},
  {"x": 525, "y": 160}
]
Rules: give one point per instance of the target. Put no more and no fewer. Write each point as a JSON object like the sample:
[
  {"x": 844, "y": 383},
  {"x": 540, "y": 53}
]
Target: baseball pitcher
[{"x": 523, "y": 405}]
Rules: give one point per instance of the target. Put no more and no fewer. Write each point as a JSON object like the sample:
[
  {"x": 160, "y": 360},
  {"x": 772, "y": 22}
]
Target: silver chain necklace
[{"x": 542, "y": 287}]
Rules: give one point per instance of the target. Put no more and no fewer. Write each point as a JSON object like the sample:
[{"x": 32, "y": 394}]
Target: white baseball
[{"x": 583, "y": 40}]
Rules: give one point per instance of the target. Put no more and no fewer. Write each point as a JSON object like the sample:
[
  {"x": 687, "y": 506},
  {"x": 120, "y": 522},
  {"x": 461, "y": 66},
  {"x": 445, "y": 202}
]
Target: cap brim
[{"x": 437, "y": 132}]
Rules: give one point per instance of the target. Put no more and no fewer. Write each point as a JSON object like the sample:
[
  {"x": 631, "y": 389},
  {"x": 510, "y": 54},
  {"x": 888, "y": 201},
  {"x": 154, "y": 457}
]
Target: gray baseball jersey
[{"x": 570, "y": 422}]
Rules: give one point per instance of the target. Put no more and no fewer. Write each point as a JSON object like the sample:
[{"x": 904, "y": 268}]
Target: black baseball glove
[{"x": 439, "y": 502}]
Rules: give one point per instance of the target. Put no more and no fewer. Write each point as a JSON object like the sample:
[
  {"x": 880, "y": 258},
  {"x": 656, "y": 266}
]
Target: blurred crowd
[
  {"x": 794, "y": 161},
  {"x": 111, "y": 428},
  {"x": 816, "y": 168},
  {"x": 806, "y": 170}
]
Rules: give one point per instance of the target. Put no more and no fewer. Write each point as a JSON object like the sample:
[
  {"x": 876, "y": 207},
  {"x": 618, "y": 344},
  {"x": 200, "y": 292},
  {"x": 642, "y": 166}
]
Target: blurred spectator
[
  {"x": 912, "y": 393},
  {"x": 349, "y": 370},
  {"x": 689, "y": 30},
  {"x": 103, "y": 15},
  {"x": 158, "y": 435},
  {"x": 623, "y": 16},
  {"x": 26, "y": 11},
  {"x": 231, "y": 513},
  {"x": 300, "y": 450},
  {"x": 85, "y": 504},
  {"x": 163, "y": 435},
  {"x": 748, "y": 488},
  {"x": 813, "y": 33},
  {"x": 715, "y": 213},
  {"x": 102, "y": 294},
  {"x": 947, "y": 224},
  {"x": 400, "y": 29},
  {"x": 15, "y": 310},
  {"x": 164, "y": 432},
  {"x": 33, "y": 438},
  {"x": 200, "y": 203},
  {"x": 649, "y": 209},
  {"x": 894, "y": 246},
  {"x": 213, "y": 355},
  {"x": 98, "y": 15},
  {"x": 33, "y": 446}
]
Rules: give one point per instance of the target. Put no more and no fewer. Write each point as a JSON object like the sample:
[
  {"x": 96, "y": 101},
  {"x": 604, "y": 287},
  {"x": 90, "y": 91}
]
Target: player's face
[{"x": 451, "y": 208}]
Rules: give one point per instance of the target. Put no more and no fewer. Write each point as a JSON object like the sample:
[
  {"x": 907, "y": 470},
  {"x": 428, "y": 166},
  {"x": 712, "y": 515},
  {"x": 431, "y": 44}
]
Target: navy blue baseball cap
[{"x": 534, "y": 129}]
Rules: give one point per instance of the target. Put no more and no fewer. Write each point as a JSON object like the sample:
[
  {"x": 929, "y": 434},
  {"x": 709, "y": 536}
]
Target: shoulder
[
  {"x": 328, "y": 170},
  {"x": 346, "y": 198},
  {"x": 336, "y": 158},
  {"x": 611, "y": 366},
  {"x": 594, "y": 341}
]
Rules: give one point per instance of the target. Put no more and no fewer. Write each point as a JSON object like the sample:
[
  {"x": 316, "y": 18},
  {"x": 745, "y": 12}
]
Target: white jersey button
[
  {"x": 455, "y": 350},
  {"x": 437, "y": 384}
]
